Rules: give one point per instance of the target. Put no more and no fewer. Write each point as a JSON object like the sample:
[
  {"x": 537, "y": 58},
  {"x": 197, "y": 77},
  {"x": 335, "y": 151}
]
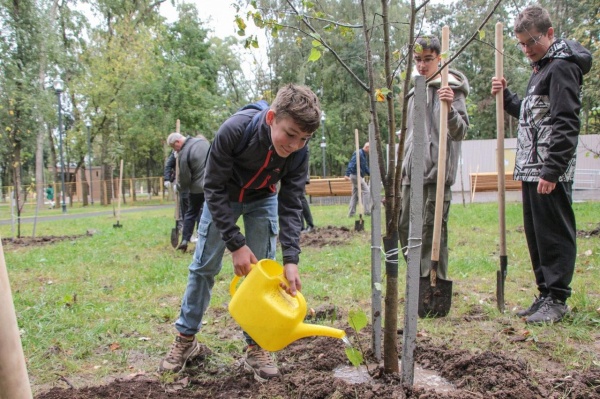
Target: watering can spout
[{"x": 304, "y": 330}]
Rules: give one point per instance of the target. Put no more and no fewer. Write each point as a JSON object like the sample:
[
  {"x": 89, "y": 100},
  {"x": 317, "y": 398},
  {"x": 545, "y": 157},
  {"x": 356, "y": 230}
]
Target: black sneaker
[
  {"x": 183, "y": 246},
  {"x": 551, "y": 311},
  {"x": 537, "y": 302}
]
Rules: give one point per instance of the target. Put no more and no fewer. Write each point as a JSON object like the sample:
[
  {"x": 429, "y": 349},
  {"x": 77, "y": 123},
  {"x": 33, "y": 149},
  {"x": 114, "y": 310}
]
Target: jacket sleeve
[
  {"x": 169, "y": 173},
  {"x": 184, "y": 180},
  {"x": 290, "y": 208},
  {"x": 458, "y": 120},
  {"x": 351, "y": 169},
  {"x": 512, "y": 104},
  {"x": 218, "y": 172},
  {"x": 565, "y": 105}
]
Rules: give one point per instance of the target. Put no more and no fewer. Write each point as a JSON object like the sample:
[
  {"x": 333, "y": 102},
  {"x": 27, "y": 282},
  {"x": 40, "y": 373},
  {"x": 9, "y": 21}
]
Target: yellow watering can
[{"x": 271, "y": 316}]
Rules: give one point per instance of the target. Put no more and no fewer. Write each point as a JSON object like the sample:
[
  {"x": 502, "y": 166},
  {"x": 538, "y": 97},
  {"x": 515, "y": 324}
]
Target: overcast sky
[{"x": 218, "y": 14}]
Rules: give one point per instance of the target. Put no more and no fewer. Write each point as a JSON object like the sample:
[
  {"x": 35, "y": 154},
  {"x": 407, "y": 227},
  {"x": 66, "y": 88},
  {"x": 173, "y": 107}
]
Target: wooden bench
[
  {"x": 489, "y": 182},
  {"x": 333, "y": 187}
]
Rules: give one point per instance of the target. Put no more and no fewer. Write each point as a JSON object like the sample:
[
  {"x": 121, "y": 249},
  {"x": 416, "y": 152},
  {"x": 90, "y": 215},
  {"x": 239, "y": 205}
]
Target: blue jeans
[{"x": 260, "y": 225}]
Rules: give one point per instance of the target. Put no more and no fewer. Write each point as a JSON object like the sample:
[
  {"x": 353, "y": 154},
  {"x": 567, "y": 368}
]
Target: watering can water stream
[{"x": 272, "y": 317}]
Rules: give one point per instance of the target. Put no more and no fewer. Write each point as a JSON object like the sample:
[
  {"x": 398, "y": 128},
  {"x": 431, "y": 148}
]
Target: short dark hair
[
  {"x": 429, "y": 42},
  {"x": 533, "y": 17}
]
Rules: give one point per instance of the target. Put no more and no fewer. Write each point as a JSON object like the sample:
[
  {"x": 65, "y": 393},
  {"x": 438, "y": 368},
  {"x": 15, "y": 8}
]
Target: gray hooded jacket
[{"x": 458, "y": 124}]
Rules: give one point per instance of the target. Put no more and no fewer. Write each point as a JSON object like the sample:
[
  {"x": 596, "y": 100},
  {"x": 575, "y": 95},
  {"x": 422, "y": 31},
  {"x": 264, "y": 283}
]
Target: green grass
[{"x": 104, "y": 304}]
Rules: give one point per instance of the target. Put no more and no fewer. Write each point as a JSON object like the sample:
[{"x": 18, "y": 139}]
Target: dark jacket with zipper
[
  {"x": 549, "y": 114},
  {"x": 250, "y": 174}
]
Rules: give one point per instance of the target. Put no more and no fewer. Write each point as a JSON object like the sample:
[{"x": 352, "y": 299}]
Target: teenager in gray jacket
[{"x": 427, "y": 58}]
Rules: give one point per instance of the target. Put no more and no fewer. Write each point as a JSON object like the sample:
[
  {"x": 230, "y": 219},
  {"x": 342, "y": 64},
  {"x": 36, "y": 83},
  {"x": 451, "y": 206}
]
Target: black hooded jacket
[
  {"x": 549, "y": 114},
  {"x": 252, "y": 174}
]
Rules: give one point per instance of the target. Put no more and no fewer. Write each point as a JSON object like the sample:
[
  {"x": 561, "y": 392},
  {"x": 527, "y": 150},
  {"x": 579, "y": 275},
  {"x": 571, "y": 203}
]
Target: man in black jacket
[
  {"x": 191, "y": 158},
  {"x": 545, "y": 163},
  {"x": 241, "y": 178}
]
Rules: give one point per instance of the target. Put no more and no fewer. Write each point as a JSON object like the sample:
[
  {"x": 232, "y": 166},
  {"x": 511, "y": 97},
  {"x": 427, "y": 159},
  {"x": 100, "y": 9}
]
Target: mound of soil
[{"x": 308, "y": 365}]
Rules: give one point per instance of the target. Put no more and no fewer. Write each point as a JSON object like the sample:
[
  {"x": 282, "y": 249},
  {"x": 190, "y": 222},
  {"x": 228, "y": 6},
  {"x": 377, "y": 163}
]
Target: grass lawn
[{"x": 103, "y": 304}]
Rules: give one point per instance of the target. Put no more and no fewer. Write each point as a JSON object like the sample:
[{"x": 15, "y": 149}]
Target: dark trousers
[
  {"x": 184, "y": 203},
  {"x": 550, "y": 230},
  {"x": 190, "y": 219},
  {"x": 307, "y": 215}
]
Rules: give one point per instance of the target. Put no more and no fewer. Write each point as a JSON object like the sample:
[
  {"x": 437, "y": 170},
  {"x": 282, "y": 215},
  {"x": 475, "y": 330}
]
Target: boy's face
[
  {"x": 534, "y": 44},
  {"x": 426, "y": 62},
  {"x": 286, "y": 136}
]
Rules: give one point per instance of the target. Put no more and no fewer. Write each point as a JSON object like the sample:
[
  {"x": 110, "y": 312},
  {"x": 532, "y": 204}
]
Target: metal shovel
[{"x": 435, "y": 294}]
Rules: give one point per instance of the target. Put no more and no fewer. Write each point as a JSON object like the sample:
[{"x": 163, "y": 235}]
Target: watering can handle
[{"x": 234, "y": 281}]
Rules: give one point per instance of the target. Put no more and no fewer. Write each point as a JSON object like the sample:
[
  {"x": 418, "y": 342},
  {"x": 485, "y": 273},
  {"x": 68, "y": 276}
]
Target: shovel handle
[{"x": 442, "y": 144}]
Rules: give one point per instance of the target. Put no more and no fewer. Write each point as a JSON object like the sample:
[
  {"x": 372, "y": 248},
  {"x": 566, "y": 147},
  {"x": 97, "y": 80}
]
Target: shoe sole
[{"x": 257, "y": 377}]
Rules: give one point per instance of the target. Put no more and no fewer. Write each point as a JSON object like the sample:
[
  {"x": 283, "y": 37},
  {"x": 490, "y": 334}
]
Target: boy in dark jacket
[
  {"x": 545, "y": 163},
  {"x": 242, "y": 182}
]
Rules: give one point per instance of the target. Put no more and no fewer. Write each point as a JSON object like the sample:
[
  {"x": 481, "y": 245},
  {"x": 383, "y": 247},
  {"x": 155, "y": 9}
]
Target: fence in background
[{"x": 104, "y": 191}]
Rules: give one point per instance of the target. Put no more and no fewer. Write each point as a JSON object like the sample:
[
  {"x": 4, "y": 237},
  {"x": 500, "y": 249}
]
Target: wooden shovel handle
[
  {"x": 499, "y": 58},
  {"x": 441, "y": 176}
]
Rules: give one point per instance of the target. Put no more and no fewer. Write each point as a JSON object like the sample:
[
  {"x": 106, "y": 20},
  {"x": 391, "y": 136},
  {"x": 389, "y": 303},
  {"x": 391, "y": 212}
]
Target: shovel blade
[
  {"x": 434, "y": 301},
  {"x": 359, "y": 225},
  {"x": 174, "y": 237}
]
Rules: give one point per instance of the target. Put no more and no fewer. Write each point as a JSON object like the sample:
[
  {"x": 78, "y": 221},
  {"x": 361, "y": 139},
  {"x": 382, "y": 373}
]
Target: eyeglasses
[
  {"x": 426, "y": 60},
  {"x": 529, "y": 43}
]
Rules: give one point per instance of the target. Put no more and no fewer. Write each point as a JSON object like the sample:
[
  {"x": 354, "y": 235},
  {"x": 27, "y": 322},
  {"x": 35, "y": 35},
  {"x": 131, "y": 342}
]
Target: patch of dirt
[
  {"x": 326, "y": 236},
  {"x": 589, "y": 233},
  {"x": 307, "y": 368},
  {"x": 9, "y": 243}
]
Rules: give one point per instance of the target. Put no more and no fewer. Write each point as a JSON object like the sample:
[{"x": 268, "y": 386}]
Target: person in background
[
  {"x": 244, "y": 184},
  {"x": 170, "y": 178},
  {"x": 427, "y": 59},
  {"x": 50, "y": 196},
  {"x": 307, "y": 219},
  {"x": 191, "y": 158},
  {"x": 351, "y": 174},
  {"x": 545, "y": 162}
]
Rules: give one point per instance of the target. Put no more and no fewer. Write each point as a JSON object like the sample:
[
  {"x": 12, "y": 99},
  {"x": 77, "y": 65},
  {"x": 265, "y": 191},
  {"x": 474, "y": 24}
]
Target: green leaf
[
  {"x": 315, "y": 54},
  {"x": 357, "y": 319},
  {"x": 354, "y": 356},
  {"x": 481, "y": 34}
]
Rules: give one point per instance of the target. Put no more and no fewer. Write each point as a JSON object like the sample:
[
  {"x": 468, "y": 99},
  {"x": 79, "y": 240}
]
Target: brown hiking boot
[
  {"x": 261, "y": 363},
  {"x": 180, "y": 352}
]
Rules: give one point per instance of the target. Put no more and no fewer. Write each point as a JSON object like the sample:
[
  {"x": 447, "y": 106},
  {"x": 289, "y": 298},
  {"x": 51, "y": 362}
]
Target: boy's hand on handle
[
  {"x": 498, "y": 84},
  {"x": 242, "y": 259},
  {"x": 293, "y": 277},
  {"x": 446, "y": 94}
]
